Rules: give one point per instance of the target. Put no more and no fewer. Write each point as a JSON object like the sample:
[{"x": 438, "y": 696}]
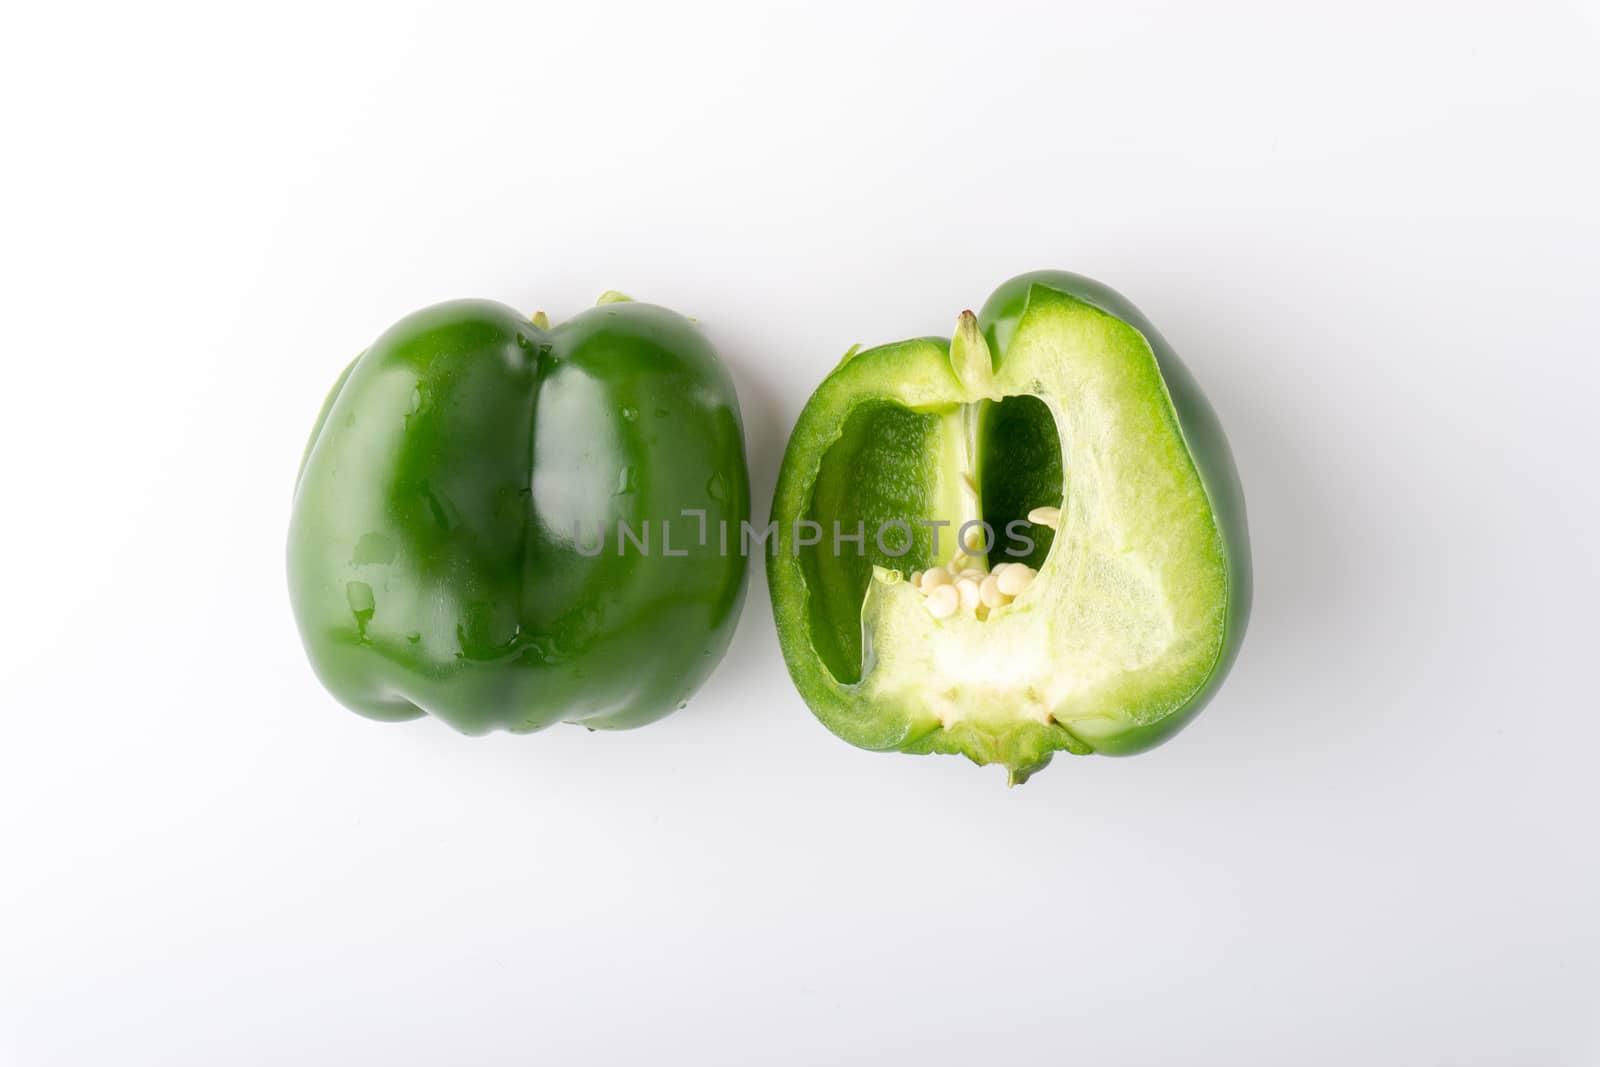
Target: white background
[{"x": 1372, "y": 233}]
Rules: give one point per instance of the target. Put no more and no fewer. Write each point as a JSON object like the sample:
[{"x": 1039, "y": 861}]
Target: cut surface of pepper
[{"x": 1111, "y": 600}]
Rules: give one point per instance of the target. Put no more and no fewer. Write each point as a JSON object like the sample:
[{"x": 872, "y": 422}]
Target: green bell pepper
[
  {"x": 1091, "y": 585},
  {"x": 458, "y": 543}
]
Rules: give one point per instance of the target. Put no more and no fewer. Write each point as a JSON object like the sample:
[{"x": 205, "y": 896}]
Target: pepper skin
[
  {"x": 454, "y": 547},
  {"x": 1057, "y": 411}
]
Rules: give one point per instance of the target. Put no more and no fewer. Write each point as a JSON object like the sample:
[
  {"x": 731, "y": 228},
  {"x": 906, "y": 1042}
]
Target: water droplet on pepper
[{"x": 362, "y": 605}]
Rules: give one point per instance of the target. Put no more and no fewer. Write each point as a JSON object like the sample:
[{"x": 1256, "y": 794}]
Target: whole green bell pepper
[
  {"x": 508, "y": 525},
  {"x": 1091, "y": 585}
]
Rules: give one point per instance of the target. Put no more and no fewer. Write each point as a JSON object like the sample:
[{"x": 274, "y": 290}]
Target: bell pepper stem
[{"x": 970, "y": 358}]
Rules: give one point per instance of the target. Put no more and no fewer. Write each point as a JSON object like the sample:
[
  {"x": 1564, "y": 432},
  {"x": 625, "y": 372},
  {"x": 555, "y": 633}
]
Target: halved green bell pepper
[
  {"x": 455, "y": 548},
  {"x": 1106, "y": 598}
]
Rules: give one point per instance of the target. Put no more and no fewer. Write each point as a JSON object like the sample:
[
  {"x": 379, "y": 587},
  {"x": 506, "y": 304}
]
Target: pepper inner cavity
[
  {"x": 995, "y": 460},
  {"x": 1015, "y": 479}
]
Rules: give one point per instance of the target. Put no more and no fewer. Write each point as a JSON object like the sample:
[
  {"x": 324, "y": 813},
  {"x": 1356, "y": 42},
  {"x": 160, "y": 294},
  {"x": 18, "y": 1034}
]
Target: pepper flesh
[
  {"x": 1057, "y": 394},
  {"x": 454, "y": 546}
]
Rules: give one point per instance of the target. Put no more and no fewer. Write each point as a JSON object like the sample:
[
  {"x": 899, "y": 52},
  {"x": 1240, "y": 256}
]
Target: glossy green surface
[
  {"x": 896, "y": 430},
  {"x": 454, "y": 548}
]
